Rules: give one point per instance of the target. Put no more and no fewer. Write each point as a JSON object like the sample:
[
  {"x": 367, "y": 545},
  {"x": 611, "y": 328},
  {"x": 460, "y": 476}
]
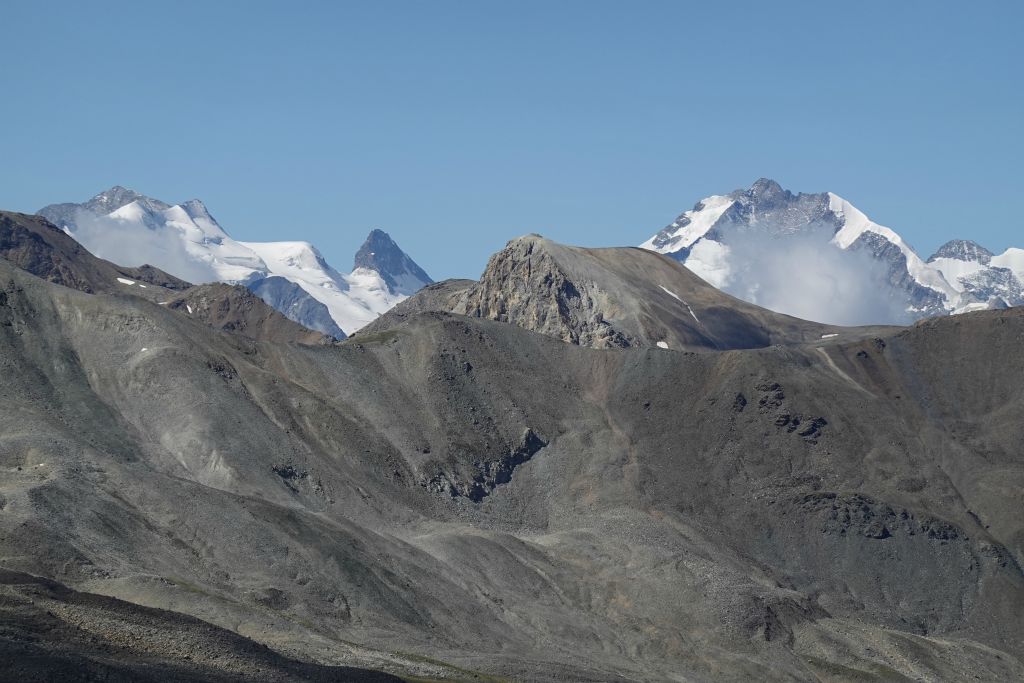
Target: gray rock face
[
  {"x": 766, "y": 208},
  {"x": 526, "y": 285},
  {"x": 380, "y": 253},
  {"x": 962, "y": 250},
  {"x": 296, "y": 304}
]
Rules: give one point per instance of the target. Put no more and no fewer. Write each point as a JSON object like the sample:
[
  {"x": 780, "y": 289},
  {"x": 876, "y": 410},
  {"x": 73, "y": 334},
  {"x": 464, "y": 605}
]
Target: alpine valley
[{"x": 585, "y": 465}]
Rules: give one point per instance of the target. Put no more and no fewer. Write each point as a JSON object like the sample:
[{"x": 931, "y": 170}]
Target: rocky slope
[
  {"x": 764, "y": 244},
  {"x": 234, "y": 308},
  {"x": 53, "y": 633},
  {"x": 454, "y": 497}
]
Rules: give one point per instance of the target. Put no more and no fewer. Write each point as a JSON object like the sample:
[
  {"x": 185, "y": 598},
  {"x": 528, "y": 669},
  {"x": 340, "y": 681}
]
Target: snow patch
[
  {"x": 676, "y": 297},
  {"x": 189, "y": 308},
  {"x": 670, "y": 293},
  {"x": 953, "y": 269},
  {"x": 1013, "y": 259},
  {"x": 971, "y": 307},
  {"x": 662, "y": 345},
  {"x": 125, "y": 281},
  {"x": 830, "y": 336}
]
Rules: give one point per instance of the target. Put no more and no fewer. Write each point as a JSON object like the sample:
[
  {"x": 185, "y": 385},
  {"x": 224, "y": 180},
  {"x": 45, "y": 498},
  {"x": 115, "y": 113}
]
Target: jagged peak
[
  {"x": 382, "y": 254},
  {"x": 763, "y": 192},
  {"x": 116, "y": 191},
  {"x": 118, "y": 196},
  {"x": 195, "y": 208},
  {"x": 962, "y": 250},
  {"x": 532, "y": 238},
  {"x": 765, "y": 187}
]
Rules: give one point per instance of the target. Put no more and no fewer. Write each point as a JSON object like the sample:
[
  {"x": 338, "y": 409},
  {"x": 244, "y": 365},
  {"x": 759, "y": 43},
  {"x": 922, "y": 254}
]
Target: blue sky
[{"x": 456, "y": 126}]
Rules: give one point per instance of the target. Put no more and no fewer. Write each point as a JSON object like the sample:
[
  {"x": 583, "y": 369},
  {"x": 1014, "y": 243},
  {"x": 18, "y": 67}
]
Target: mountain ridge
[
  {"x": 490, "y": 500},
  {"x": 728, "y": 239},
  {"x": 123, "y": 225},
  {"x": 613, "y": 297}
]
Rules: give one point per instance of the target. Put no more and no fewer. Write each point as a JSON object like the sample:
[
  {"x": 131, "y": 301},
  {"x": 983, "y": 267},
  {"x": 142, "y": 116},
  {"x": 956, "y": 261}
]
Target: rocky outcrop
[
  {"x": 619, "y": 298},
  {"x": 525, "y": 285},
  {"x": 490, "y": 473},
  {"x": 444, "y": 296}
]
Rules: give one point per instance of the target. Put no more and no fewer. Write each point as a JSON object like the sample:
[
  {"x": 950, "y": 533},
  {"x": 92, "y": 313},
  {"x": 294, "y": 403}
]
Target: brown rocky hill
[{"x": 609, "y": 298}]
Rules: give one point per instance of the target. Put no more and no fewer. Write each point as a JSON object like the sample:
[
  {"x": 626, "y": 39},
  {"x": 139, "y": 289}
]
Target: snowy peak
[
  {"x": 817, "y": 256},
  {"x": 381, "y": 254},
  {"x": 196, "y": 210},
  {"x": 766, "y": 190},
  {"x": 963, "y": 250},
  {"x": 769, "y": 209},
  {"x": 118, "y": 196},
  {"x": 127, "y": 227},
  {"x": 983, "y": 279}
]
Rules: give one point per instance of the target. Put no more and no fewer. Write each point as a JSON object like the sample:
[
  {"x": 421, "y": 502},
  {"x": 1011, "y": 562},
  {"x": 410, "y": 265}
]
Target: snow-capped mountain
[
  {"x": 977, "y": 273},
  {"x": 819, "y": 257},
  {"x": 380, "y": 254},
  {"x": 128, "y": 228}
]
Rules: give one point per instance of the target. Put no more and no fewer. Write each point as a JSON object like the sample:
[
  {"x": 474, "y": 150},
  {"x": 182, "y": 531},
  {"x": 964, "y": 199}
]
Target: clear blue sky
[{"x": 456, "y": 126}]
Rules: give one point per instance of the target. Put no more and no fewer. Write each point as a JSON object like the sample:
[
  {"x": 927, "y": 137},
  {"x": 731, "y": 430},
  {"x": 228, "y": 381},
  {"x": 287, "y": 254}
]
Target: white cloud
[
  {"x": 130, "y": 244},
  {"x": 806, "y": 276}
]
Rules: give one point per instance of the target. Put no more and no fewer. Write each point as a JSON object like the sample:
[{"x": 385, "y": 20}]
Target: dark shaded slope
[
  {"x": 442, "y": 296},
  {"x": 52, "y": 633},
  {"x": 235, "y": 308}
]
